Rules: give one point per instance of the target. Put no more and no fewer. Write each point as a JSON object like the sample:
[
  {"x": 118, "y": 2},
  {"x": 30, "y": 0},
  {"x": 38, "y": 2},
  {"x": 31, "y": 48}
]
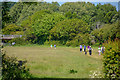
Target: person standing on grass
[
  {"x": 85, "y": 50},
  {"x": 80, "y": 48},
  {"x": 88, "y": 47},
  {"x": 90, "y": 51},
  {"x": 99, "y": 50},
  {"x": 102, "y": 49},
  {"x": 51, "y": 46},
  {"x": 13, "y": 43},
  {"x": 55, "y": 46}
]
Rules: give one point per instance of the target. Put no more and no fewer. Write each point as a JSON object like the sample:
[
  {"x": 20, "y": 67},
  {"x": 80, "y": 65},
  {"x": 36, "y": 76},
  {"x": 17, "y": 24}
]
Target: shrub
[
  {"x": 19, "y": 41},
  {"x": 111, "y": 59},
  {"x": 97, "y": 44},
  {"x": 52, "y": 42},
  {"x": 72, "y": 71},
  {"x": 73, "y": 43},
  {"x": 13, "y": 69}
]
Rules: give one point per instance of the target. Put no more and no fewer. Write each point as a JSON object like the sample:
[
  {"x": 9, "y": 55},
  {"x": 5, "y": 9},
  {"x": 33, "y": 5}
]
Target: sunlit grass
[{"x": 57, "y": 63}]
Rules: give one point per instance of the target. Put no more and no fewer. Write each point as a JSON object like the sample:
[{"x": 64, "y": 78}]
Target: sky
[{"x": 74, "y": 0}]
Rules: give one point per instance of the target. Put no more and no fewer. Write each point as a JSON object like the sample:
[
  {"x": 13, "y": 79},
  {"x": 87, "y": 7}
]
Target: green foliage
[
  {"x": 12, "y": 69},
  {"x": 15, "y": 11},
  {"x": 104, "y": 13},
  {"x": 111, "y": 59},
  {"x": 70, "y": 15},
  {"x": 21, "y": 10},
  {"x": 39, "y": 24},
  {"x": 52, "y": 42},
  {"x": 55, "y": 3},
  {"x": 73, "y": 71},
  {"x": 42, "y": 21},
  {"x": 68, "y": 29},
  {"x": 19, "y": 41},
  {"x": 108, "y": 17},
  {"x": 107, "y": 31},
  {"x": 80, "y": 10},
  {"x": 12, "y": 29},
  {"x": 5, "y": 8},
  {"x": 80, "y": 39}
]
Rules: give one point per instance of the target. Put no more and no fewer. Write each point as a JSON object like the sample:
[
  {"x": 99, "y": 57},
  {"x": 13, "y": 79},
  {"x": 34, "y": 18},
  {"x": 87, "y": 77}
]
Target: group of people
[
  {"x": 85, "y": 49},
  {"x": 89, "y": 49},
  {"x": 54, "y": 46}
]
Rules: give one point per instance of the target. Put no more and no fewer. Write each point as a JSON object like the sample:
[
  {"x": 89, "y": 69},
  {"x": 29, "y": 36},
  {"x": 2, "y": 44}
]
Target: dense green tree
[
  {"x": 68, "y": 29},
  {"x": 72, "y": 22},
  {"x": 106, "y": 32},
  {"x": 15, "y": 11},
  {"x": 5, "y": 8},
  {"x": 40, "y": 23},
  {"x": 108, "y": 17},
  {"x": 12, "y": 29},
  {"x": 55, "y": 3},
  {"x": 22, "y": 10},
  {"x": 80, "y": 39},
  {"x": 70, "y": 15},
  {"x": 105, "y": 10}
]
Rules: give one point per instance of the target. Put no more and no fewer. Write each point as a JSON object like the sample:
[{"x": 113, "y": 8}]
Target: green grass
[{"x": 45, "y": 62}]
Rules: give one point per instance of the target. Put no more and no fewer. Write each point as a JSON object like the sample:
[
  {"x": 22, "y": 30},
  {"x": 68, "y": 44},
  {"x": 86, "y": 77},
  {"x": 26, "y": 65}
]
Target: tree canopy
[{"x": 71, "y": 23}]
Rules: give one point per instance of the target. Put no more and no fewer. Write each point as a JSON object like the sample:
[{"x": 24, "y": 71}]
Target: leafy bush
[
  {"x": 73, "y": 71},
  {"x": 111, "y": 59},
  {"x": 12, "y": 29},
  {"x": 97, "y": 44},
  {"x": 52, "y": 42},
  {"x": 79, "y": 39},
  {"x": 66, "y": 30},
  {"x": 19, "y": 41},
  {"x": 13, "y": 69},
  {"x": 38, "y": 25},
  {"x": 73, "y": 43}
]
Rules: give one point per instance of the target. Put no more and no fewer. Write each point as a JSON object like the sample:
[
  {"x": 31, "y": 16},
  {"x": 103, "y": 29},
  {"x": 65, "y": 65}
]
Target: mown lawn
[{"x": 45, "y": 62}]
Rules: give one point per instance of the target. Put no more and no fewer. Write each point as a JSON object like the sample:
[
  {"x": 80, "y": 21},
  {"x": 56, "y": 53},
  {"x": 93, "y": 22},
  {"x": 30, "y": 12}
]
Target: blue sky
[{"x": 74, "y": 0}]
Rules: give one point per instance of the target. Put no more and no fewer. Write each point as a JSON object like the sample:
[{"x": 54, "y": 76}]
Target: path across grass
[{"x": 45, "y": 62}]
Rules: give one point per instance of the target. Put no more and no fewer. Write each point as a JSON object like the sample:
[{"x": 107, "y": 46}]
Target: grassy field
[{"x": 45, "y": 62}]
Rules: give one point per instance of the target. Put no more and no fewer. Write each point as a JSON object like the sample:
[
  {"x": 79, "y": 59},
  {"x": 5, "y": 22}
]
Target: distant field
[{"x": 45, "y": 62}]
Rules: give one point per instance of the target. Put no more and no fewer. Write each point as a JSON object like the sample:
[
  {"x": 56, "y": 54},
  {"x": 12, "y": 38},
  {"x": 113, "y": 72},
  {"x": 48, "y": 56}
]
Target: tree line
[{"x": 70, "y": 24}]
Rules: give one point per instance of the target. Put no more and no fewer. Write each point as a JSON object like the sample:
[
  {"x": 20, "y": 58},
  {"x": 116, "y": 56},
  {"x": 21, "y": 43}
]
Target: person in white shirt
[{"x": 99, "y": 50}]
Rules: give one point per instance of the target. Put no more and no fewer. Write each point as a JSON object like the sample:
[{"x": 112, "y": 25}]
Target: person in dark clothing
[
  {"x": 102, "y": 49},
  {"x": 80, "y": 48},
  {"x": 55, "y": 46},
  {"x": 90, "y": 51},
  {"x": 85, "y": 50}
]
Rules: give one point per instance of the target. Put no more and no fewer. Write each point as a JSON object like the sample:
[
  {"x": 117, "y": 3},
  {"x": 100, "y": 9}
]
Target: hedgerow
[{"x": 111, "y": 59}]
